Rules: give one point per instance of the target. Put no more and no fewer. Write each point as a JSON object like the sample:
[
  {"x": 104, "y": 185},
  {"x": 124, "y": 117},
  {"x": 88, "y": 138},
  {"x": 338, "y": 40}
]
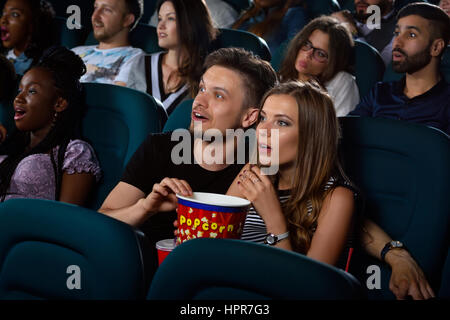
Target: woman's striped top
[{"x": 255, "y": 229}]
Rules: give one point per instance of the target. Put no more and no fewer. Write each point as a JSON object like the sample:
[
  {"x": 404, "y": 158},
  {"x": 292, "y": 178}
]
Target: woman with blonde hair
[{"x": 308, "y": 206}]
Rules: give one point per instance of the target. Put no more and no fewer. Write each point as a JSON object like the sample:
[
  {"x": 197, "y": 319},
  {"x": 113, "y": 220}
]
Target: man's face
[
  {"x": 412, "y": 44},
  {"x": 219, "y": 103},
  {"x": 362, "y": 5},
  {"x": 109, "y": 18}
]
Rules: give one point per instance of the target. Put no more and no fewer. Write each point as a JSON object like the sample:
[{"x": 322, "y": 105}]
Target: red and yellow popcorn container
[{"x": 210, "y": 215}]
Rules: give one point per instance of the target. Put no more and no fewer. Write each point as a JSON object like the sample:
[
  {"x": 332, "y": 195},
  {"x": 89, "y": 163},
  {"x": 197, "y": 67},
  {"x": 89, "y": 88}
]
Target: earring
[{"x": 55, "y": 118}]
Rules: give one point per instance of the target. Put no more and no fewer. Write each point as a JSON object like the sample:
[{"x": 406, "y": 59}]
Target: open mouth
[
  {"x": 4, "y": 34},
  {"x": 397, "y": 56},
  {"x": 197, "y": 116},
  {"x": 19, "y": 113},
  {"x": 265, "y": 147}
]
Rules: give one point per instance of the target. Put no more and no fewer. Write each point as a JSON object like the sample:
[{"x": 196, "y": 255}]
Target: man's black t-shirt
[{"x": 152, "y": 162}]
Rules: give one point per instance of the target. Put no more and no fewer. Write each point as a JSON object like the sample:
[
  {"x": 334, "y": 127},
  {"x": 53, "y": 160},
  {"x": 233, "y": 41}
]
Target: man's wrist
[{"x": 394, "y": 254}]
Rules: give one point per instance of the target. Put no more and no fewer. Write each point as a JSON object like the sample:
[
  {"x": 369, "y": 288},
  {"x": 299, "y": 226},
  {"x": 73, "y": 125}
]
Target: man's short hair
[
  {"x": 258, "y": 75},
  {"x": 135, "y": 7},
  {"x": 439, "y": 20}
]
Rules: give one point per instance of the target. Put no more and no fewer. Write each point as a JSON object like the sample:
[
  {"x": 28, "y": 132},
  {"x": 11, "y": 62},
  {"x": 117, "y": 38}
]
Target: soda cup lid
[{"x": 165, "y": 245}]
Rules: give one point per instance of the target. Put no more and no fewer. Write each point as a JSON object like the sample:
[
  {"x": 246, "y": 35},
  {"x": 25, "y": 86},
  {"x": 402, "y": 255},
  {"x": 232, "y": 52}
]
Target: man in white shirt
[{"x": 113, "y": 60}]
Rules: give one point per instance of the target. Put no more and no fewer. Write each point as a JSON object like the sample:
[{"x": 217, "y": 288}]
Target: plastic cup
[
  {"x": 210, "y": 215},
  {"x": 164, "y": 247}
]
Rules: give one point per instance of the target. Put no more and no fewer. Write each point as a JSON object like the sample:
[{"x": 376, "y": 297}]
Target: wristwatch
[
  {"x": 272, "y": 239},
  {"x": 395, "y": 244}
]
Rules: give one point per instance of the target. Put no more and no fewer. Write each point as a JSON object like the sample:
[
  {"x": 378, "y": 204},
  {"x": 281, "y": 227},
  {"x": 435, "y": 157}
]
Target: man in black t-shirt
[{"x": 229, "y": 94}]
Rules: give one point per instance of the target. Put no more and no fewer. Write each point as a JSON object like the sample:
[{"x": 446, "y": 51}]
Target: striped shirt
[{"x": 255, "y": 229}]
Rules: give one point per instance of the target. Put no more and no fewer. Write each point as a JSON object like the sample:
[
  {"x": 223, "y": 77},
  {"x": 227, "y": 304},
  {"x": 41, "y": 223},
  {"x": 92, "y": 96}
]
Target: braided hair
[{"x": 66, "y": 69}]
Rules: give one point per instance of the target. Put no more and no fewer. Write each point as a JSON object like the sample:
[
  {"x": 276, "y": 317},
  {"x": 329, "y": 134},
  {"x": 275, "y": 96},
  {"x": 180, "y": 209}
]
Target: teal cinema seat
[
  {"x": 66, "y": 37},
  {"x": 224, "y": 269},
  {"x": 369, "y": 67},
  {"x": 180, "y": 118},
  {"x": 242, "y": 39},
  {"x": 402, "y": 170},
  {"x": 54, "y": 250},
  {"x": 117, "y": 121}
]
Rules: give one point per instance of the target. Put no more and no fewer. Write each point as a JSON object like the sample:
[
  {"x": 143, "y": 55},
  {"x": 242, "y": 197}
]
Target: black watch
[
  {"x": 394, "y": 244},
  {"x": 272, "y": 239}
]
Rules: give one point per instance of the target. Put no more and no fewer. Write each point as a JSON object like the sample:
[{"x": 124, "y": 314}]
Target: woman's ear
[
  {"x": 250, "y": 117},
  {"x": 61, "y": 104}
]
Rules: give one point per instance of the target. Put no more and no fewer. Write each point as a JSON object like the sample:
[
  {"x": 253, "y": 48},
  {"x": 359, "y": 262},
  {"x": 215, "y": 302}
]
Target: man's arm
[
  {"x": 407, "y": 277},
  {"x": 124, "y": 203}
]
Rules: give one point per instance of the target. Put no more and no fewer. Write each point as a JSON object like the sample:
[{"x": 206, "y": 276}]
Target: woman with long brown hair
[
  {"x": 276, "y": 21},
  {"x": 323, "y": 51},
  {"x": 186, "y": 31},
  {"x": 308, "y": 205}
]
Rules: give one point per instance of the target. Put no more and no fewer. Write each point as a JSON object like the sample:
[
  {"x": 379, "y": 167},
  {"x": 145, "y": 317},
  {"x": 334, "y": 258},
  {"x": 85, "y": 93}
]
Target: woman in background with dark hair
[
  {"x": 322, "y": 51},
  {"x": 276, "y": 21},
  {"x": 45, "y": 157},
  {"x": 26, "y": 31},
  {"x": 186, "y": 31}
]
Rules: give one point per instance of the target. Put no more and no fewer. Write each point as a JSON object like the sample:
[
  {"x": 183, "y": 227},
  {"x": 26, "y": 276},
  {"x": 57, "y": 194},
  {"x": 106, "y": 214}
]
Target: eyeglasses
[{"x": 318, "y": 54}]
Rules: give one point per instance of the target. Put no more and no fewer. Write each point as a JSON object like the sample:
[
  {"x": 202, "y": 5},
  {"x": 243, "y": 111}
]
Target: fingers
[
  {"x": 177, "y": 186},
  {"x": 400, "y": 290},
  {"x": 414, "y": 291}
]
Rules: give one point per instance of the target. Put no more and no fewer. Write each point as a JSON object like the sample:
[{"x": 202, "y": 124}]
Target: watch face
[
  {"x": 397, "y": 244},
  {"x": 270, "y": 239}
]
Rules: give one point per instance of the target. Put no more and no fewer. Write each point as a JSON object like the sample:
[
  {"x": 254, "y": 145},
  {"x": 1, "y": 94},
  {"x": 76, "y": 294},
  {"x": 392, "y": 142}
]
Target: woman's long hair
[
  {"x": 273, "y": 19},
  {"x": 42, "y": 29},
  {"x": 317, "y": 159},
  {"x": 196, "y": 32},
  {"x": 340, "y": 47},
  {"x": 66, "y": 69}
]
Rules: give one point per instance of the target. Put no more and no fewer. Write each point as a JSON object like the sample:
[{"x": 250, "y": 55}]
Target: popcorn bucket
[
  {"x": 210, "y": 215},
  {"x": 164, "y": 247}
]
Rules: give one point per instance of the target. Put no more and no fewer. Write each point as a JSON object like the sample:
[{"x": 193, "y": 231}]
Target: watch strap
[
  {"x": 390, "y": 245},
  {"x": 277, "y": 238}
]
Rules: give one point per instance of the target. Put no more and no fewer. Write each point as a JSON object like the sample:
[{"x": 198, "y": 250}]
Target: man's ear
[
  {"x": 437, "y": 47},
  {"x": 250, "y": 117},
  {"x": 129, "y": 20},
  {"x": 61, "y": 104}
]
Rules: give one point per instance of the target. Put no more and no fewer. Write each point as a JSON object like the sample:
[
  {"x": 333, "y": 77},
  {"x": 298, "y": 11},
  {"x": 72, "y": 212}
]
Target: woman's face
[
  {"x": 35, "y": 104},
  {"x": 167, "y": 26},
  {"x": 280, "y": 113},
  {"x": 16, "y": 25},
  {"x": 312, "y": 58}
]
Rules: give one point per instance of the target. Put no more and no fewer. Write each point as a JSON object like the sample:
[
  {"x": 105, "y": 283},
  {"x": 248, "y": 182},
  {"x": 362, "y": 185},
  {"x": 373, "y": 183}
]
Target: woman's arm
[
  {"x": 3, "y": 133},
  {"x": 333, "y": 226},
  {"x": 76, "y": 188},
  {"x": 258, "y": 189}
]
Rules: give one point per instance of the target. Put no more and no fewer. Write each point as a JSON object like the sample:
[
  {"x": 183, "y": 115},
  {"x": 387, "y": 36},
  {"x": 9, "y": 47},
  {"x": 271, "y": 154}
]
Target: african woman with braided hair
[{"x": 45, "y": 157}]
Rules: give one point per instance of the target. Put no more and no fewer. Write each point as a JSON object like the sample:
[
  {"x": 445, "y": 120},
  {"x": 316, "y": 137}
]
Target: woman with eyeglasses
[{"x": 322, "y": 51}]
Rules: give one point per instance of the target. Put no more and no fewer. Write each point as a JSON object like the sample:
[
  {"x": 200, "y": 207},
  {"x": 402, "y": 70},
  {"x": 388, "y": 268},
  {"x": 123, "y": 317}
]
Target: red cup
[
  {"x": 210, "y": 215},
  {"x": 164, "y": 247}
]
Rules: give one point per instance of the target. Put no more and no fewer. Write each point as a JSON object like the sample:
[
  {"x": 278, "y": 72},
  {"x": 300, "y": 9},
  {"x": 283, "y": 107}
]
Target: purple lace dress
[{"x": 35, "y": 178}]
